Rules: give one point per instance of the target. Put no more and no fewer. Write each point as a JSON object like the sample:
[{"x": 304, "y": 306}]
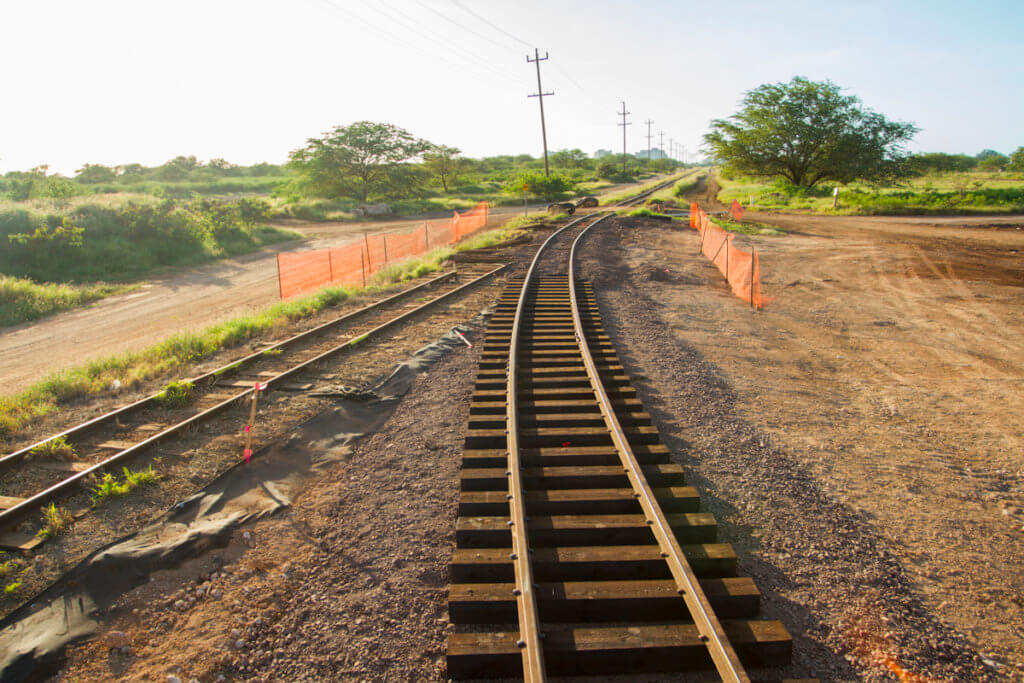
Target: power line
[
  {"x": 489, "y": 23},
  {"x": 349, "y": 14},
  {"x": 648, "y": 122},
  {"x": 462, "y": 26},
  {"x": 623, "y": 114},
  {"x": 537, "y": 59},
  {"x": 415, "y": 30}
]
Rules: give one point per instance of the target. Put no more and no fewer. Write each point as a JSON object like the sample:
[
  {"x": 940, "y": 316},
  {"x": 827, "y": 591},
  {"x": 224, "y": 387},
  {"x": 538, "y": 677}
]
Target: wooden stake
[{"x": 362, "y": 265}]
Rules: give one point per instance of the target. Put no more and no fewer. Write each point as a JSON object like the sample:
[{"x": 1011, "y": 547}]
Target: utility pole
[
  {"x": 624, "y": 114},
  {"x": 537, "y": 59},
  {"x": 684, "y": 154},
  {"x": 672, "y": 148},
  {"x": 648, "y": 122},
  {"x": 661, "y": 143}
]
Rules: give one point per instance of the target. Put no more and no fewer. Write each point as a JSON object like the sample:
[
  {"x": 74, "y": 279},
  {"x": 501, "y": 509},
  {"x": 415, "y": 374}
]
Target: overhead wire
[
  {"x": 489, "y": 23},
  {"x": 466, "y": 28},
  {"x": 403, "y": 20}
]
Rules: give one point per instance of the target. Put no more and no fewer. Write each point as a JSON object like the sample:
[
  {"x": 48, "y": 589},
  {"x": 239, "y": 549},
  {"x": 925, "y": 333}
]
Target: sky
[{"x": 124, "y": 81}]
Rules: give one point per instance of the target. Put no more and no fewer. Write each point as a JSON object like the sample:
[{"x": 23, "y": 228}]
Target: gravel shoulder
[{"x": 858, "y": 439}]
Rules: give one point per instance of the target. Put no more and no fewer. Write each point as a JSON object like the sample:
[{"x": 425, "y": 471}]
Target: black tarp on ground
[{"x": 32, "y": 638}]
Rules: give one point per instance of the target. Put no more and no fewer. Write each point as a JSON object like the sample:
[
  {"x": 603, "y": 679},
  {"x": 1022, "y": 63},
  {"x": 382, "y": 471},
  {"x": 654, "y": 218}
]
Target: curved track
[{"x": 575, "y": 529}]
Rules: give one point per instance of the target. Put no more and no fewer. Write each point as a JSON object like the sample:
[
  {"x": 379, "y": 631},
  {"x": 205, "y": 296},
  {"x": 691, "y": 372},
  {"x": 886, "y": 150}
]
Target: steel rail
[
  {"x": 526, "y": 598},
  {"x": 629, "y": 201},
  {"x": 110, "y": 416},
  {"x": 36, "y": 501},
  {"x": 710, "y": 629}
]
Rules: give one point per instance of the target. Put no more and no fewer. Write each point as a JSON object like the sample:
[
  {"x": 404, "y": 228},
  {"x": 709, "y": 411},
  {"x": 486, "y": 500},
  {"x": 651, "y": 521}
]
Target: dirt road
[
  {"x": 182, "y": 300},
  {"x": 186, "y": 299},
  {"x": 863, "y": 433}
]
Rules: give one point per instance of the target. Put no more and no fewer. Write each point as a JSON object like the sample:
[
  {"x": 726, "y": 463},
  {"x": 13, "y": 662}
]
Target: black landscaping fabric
[{"x": 32, "y": 638}]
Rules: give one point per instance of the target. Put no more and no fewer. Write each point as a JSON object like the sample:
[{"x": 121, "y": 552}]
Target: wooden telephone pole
[
  {"x": 624, "y": 114},
  {"x": 540, "y": 95},
  {"x": 648, "y": 122}
]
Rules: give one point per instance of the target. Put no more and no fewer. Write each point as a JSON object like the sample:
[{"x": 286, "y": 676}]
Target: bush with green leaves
[
  {"x": 549, "y": 187},
  {"x": 177, "y": 394}
]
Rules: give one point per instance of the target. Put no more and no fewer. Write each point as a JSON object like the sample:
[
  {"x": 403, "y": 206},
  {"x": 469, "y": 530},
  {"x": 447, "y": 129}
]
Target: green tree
[
  {"x": 444, "y": 164},
  {"x": 1016, "y": 162},
  {"x": 986, "y": 154},
  {"x": 355, "y": 160},
  {"x": 95, "y": 173},
  {"x": 540, "y": 185},
  {"x": 807, "y": 132},
  {"x": 993, "y": 162},
  {"x": 568, "y": 158}
]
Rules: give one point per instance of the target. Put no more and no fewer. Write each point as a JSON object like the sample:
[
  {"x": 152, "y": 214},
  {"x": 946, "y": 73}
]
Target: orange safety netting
[
  {"x": 742, "y": 270},
  {"x": 355, "y": 263}
]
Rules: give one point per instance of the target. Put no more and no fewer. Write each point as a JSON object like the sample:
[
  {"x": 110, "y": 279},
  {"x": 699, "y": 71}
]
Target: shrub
[{"x": 177, "y": 394}]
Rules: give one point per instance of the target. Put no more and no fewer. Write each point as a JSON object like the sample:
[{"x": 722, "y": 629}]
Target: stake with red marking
[
  {"x": 252, "y": 419},
  {"x": 463, "y": 338}
]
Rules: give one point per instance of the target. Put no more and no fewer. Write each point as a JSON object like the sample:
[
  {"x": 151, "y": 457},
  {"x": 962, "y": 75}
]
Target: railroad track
[
  {"x": 579, "y": 548},
  {"x": 633, "y": 201},
  {"x": 30, "y": 481}
]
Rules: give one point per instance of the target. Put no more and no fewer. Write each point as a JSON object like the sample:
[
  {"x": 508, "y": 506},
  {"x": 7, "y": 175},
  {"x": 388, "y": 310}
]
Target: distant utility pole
[
  {"x": 624, "y": 114},
  {"x": 648, "y": 122},
  {"x": 661, "y": 143},
  {"x": 684, "y": 154},
  {"x": 537, "y": 59},
  {"x": 672, "y": 148}
]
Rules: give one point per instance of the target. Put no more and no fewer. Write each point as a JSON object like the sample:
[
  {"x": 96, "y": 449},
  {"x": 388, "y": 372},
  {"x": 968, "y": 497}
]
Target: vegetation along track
[
  {"x": 578, "y": 547},
  {"x": 32, "y": 476}
]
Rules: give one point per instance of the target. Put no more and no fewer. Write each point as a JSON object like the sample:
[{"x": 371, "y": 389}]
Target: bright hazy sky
[{"x": 117, "y": 81}]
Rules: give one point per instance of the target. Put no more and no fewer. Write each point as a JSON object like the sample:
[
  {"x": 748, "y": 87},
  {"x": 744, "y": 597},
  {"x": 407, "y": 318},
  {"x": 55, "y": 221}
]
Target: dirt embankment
[
  {"x": 859, "y": 437},
  {"x": 705, "y": 193}
]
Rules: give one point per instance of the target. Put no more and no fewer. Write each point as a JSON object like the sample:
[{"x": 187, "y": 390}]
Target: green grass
[
  {"x": 110, "y": 488},
  {"x": 973, "y": 192},
  {"x": 177, "y": 394},
  {"x": 632, "y": 192},
  {"x": 644, "y": 212},
  {"x": 57, "y": 448},
  {"x": 55, "y": 521},
  {"x": 22, "y": 300},
  {"x": 12, "y": 588},
  {"x": 747, "y": 227}
]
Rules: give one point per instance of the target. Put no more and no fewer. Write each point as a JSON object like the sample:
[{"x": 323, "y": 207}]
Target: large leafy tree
[
  {"x": 444, "y": 163},
  {"x": 808, "y": 132},
  {"x": 357, "y": 160},
  {"x": 1017, "y": 160}
]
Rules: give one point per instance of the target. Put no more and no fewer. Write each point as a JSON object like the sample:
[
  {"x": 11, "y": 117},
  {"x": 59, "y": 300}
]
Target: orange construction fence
[
  {"x": 355, "y": 263},
  {"x": 742, "y": 270}
]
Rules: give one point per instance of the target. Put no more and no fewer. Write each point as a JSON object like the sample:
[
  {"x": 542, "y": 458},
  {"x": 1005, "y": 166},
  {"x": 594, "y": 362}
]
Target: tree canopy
[
  {"x": 359, "y": 160},
  {"x": 444, "y": 163},
  {"x": 808, "y": 132}
]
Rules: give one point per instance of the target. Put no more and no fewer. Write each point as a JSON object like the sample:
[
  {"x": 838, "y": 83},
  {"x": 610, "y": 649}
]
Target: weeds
[
  {"x": 22, "y": 299},
  {"x": 748, "y": 227},
  {"x": 273, "y": 352},
  {"x": 12, "y": 588},
  {"x": 57, "y": 448},
  {"x": 177, "y": 394},
  {"x": 110, "y": 488},
  {"x": 55, "y": 521}
]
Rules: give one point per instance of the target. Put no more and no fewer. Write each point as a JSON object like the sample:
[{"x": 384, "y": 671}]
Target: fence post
[
  {"x": 366, "y": 242},
  {"x": 754, "y": 260},
  {"x": 362, "y": 264},
  {"x": 330, "y": 262},
  {"x": 385, "y": 249},
  {"x": 280, "y": 286},
  {"x": 426, "y": 237},
  {"x": 728, "y": 245}
]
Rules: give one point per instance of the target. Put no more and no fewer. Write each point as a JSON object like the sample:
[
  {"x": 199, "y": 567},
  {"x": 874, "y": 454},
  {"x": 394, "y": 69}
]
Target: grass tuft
[
  {"x": 55, "y": 521},
  {"x": 12, "y": 588},
  {"x": 177, "y": 394},
  {"x": 57, "y": 448},
  {"x": 110, "y": 488}
]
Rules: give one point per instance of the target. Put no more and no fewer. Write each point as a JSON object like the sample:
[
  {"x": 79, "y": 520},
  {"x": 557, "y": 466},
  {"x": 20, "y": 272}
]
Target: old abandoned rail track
[
  {"x": 579, "y": 549},
  {"x": 30, "y": 481}
]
